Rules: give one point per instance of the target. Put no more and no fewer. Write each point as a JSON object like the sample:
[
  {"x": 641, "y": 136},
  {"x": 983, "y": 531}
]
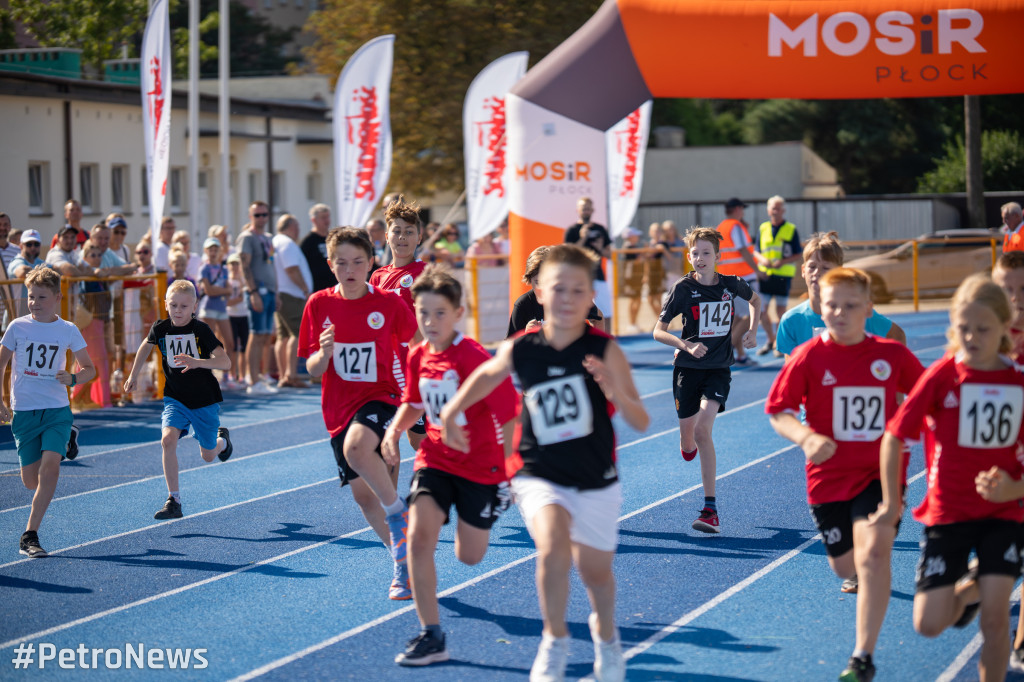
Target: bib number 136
[
  {"x": 356, "y": 361},
  {"x": 990, "y": 415},
  {"x": 560, "y": 410}
]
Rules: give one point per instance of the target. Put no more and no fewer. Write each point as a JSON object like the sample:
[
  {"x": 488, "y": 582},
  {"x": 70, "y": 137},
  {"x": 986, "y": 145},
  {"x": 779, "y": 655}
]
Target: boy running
[
  {"x": 476, "y": 484},
  {"x": 566, "y": 483},
  {"x": 847, "y": 381},
  {"x": 189, "y": 352},
  {"x": 701, "y": 375},
  {"x": 822, "y": 252},
  {"x": 41, "y": 419},
  {"x": 349, "y": 335}
]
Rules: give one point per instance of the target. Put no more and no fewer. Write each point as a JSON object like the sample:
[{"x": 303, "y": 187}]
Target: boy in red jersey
[
  {"x": 349, "y": 336},
  {"x": 566, "y": 484},
  {"x": 969, "y": 404},
  {"x": 405, "y": 231},
  {"x": 848, "y": 382},
  {"x": 475, "y": 484}
]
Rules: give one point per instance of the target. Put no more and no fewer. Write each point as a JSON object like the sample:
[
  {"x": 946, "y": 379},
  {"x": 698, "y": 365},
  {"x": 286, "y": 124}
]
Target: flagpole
[
  {"x": 227, "y": 203},
  {"x": 193, "y": 119}
]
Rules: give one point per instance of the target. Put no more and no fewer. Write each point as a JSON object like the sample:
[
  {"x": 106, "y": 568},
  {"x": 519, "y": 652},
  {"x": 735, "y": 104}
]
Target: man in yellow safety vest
[{"x": 777, "y": 253}]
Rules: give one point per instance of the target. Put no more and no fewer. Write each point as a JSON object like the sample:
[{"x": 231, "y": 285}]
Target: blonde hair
[
  {"x": 573, "y": 255},
  {"x": 979, "y": 288},
  {"x": 708, "y": 234},
  {"x": 826, "y": 244},
  {"x": 181, "y": 286},
  {"x": 775, "y": 200}
]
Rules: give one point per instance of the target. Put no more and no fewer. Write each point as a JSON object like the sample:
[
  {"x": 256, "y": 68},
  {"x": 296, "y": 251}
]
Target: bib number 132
[
  {"x": 858, "y": 413},
  {"x": 356, "y": 361},
  {"x": 990, "y": 415}
]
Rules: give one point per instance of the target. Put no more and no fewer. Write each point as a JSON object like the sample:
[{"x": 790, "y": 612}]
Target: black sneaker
[
  {"x": 423, "y": 649},
  {"x": 170, "y": 510},
  {"x": 73, "y": 443},
  {"x": 228, "y": 448},
  {"x": 971, "y": 610},
  {"x": 29, "y": 546},
  {"x": 858, "y": 670}
]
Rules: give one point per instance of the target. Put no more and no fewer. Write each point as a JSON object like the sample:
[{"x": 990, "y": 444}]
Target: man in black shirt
[
  {"x": 594, "y": 237},
  {"x": 314, "y": 247}
]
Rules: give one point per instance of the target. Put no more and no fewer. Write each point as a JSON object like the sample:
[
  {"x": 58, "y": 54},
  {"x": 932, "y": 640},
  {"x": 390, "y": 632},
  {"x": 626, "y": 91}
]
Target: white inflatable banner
[
  {"x": 156, "y": 110},
  {"x": 626, "y": 144}
]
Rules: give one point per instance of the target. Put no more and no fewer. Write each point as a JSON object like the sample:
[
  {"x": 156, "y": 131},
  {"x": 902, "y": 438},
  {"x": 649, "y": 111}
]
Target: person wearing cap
[
  {"x": 118, "y": 231},
  {"x": 213, "y": 306},
  {"x": 737, "y": 259},
  {"x": 294, "y": 284},
  {"x": 63, "y": 258}
]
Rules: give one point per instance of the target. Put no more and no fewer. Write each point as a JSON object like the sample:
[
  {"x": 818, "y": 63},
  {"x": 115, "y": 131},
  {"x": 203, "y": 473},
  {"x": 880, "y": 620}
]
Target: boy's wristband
[{"x": 74, "y": 379}]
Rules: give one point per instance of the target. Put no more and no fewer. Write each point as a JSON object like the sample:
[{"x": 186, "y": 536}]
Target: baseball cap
[
  {"x": 31, "y": 236},
  {"x": 118, "y": 221},
  {"x": 211, "y": 241},
  {"x": 633, "y": 232},
  {"x": 733, "y": 203},
  {"x": 67, "y": 228}
]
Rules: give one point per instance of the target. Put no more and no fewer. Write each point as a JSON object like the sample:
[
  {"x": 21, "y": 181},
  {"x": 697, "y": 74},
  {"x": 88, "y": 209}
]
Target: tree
[
  {"x": 440, "y": 46},
  {"x": 100, "y": 28},
  {"x": 1002, "y": 161}
]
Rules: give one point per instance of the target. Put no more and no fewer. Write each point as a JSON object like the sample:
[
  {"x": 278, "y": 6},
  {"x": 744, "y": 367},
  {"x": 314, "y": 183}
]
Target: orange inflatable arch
[{"x": 633, "y": 50}]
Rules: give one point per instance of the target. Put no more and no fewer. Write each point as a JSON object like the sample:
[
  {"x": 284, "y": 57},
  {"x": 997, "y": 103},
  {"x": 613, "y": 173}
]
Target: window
[
  {"x": 119, "y": 197},
  {"x": 277, "y": 192},
  {"x": 89, "y": 187},
  {"x": 313, "y": 187},
  {"x": 145, "y": 190},
  {"x": 38, "y": 188},
  {"x": 176, "y": 181},
  {"x": 256, "y": 189}
]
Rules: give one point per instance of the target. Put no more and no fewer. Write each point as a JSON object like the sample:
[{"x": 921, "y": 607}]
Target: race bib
[
  {"x": 436, "y": 393},
  {"x": 356, "y": 361},
  {"x": 858, "y": 413},
  {"x": 38, "y": 360},
  {"x": 180, "y": 344},
  {"x": 990, "y": 415},
  {"x": 560, "y": 410},
  {"x": 715, "y": 318}
]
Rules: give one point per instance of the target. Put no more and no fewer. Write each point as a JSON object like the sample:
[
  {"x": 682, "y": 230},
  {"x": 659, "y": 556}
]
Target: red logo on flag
[
  {"x": 364, "y": 131},
  {"x": 156, "y": 96},
  {"x": 493, "y": 130},
  {"x": 628, "y": 144}
]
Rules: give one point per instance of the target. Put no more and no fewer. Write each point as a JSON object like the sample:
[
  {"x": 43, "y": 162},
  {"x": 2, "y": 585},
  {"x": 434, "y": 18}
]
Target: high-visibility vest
[
  {"x": 1014, "y": 241},
  {"x": 732, "y": 262},
  {"x": 772, "y": 247}
]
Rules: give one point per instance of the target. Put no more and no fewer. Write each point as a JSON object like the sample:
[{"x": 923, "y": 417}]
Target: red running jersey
[
  {"x": 391, "y": 278},
  {"x": 848, "y": 393},
  {"x": 433, "y": 379},
  {"x": 971, "y": 420},
  {"x": 365, "y": 365}
]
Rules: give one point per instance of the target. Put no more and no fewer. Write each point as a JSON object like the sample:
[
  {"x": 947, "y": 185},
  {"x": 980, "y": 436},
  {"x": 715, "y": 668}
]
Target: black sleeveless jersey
[{"x": 565, "y": 431}]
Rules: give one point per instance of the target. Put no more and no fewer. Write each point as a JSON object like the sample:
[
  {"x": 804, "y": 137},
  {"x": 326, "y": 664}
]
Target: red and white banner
[
  {"x": 362, "y": 131},
  {"x": 156, "y": 109},
  {"x": 626, "y": 145},
  {"x": 484, "y": 141}
]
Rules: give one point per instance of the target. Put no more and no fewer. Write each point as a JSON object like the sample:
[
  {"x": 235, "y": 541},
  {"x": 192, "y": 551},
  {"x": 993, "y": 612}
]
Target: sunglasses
[
  {"x": 121, "y": 232},
  {"x": 143, "y": 252},
  {"x": 260, "y": 215}
]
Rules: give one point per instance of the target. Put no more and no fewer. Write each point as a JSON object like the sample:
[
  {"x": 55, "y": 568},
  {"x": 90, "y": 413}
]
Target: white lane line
[
  {"x": 243, "y": 458},
  {"x": 157, "y": 442}
]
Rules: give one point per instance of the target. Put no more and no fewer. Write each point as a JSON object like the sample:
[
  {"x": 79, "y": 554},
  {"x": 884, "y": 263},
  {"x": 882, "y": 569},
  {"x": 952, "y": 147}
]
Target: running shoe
[
  {"x": 170, "y": 510},
  {"x": 777, "y": 353},
  {"x": 707, "y": 522},
  {"x": 29, "y": 545},
  {"x": 228, "y": 447},
  {"x": 688, "y": 456},
  {"x": 72, "y": 444},
  {"x": 858, "y": 670},
  {"x": 398, "y": 524},
  {"x": 746, "y": 361},
  {"x": 849, "y": 586},
  {"x": 423, "y": 649},
  {"x": 609, "y": 663},
  {"x": 1017, "y": 660},
  {"x": 552, "y": 657},
  {"x": 400, "y": 589},
  {"x": 971, "y": 610},
  {"x": 765, "y": 349},
  {"x": 260, "y": 388}
]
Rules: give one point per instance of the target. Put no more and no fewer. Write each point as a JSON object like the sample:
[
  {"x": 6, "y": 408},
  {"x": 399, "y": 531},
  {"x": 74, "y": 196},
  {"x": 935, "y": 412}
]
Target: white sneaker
[
  {"x": 609, "y": 664},
  {"x": 259, "y": 388},
  {"x": 552, "y": 657}
]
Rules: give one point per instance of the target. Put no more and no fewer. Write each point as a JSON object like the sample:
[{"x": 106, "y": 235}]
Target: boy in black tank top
[{"x": 566, "y": 483}]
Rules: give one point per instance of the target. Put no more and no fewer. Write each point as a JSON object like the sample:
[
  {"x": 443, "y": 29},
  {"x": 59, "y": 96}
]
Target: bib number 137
[
  {"x": 356, "y": 361},
  {"x": 990, "y": 415}
]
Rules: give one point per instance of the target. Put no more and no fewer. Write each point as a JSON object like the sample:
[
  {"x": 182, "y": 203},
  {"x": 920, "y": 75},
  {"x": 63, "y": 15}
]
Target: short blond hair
[
  {"x": 181, "y": 286},
  {"x": 851, "y": 276},
  {"x": 979, "y": 288}
]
